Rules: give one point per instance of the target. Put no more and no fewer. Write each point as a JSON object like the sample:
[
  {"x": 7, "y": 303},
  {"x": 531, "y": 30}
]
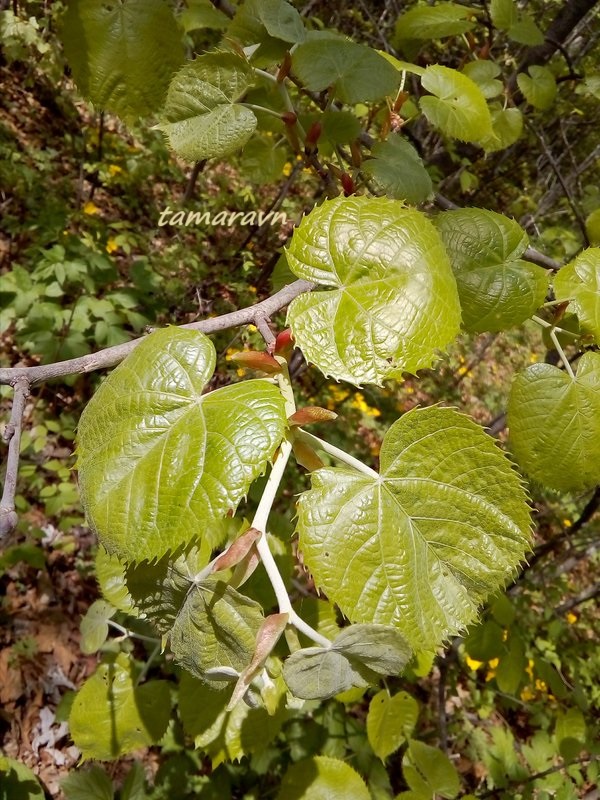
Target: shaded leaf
[
  {"x": 390, "y": 721},
  {"x": 17, "y": 781},
  {"x": 94, "y": 626},
  {"x": 160, "y": 463},
  {"x": 458, "y": 107},
  {"x": 427, "y": 767},
  {"x": 88, "y": 784},
  {"x": 484, "y": 73},
  {"x": 497, "y": 289},
  {"x": 579, "y": 283},
  {"x": 111, "y": 716},
  {"x": 423, "y": 544},
  {"x": 554, "y": 423},
  {"x": 507, "y": 125},
  {"x": 322, "y": 777},
  {"x": 434, "y": 22},
  {"x": 398, "y": 170},
  {"x": 539, "y": 87},
  {"x": 390, "y": 300}
]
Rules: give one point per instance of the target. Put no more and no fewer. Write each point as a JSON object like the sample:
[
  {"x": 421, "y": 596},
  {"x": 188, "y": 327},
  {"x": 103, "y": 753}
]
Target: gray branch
[{"x": 12, "y": 435}]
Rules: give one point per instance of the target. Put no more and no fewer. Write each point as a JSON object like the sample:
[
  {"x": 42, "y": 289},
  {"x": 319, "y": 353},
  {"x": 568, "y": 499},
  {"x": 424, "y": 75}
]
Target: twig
[
  {"x": 262, "y": 323},
  {"x": 191, "y": 184},
  {"x": 580, "y": 598},
  {"x": 538, "y": 775},
  {"x": 12, "y": 435},
  {"x": 113, "y": 355}
]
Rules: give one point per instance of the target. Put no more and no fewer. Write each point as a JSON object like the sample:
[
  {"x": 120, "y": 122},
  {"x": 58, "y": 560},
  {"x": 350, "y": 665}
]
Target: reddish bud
[
  {"x": 284, "y": 69},
  {"x": 314, "y": 134},
  {"x": 356, "y": 154},
  {"x": 347, "y": 184},
  {"x": 310, "y": 414},
  {"x": 254, "y": 359},
  {"x": 400, "y": 100},
  {"x": 237, "y": 551},
  {"x": 284, "y": 343},
  {"x": 289, "y": 118}
]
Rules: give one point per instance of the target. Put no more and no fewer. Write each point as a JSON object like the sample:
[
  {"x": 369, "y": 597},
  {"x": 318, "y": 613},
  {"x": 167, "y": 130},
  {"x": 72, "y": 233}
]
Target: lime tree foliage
[{"x": 273, "y": 648}]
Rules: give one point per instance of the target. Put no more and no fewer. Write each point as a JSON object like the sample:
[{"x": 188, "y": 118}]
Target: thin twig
[
  {"x": 191, "y": 184},
  {"x": 580, "y": 598},
  {"x": 113, "y": 355},
  {"x": 12, "y": 435}
]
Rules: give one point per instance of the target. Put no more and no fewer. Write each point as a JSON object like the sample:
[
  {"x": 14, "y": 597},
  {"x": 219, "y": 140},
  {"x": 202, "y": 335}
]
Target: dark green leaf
[
  {"x": 88, "y": 784},
  {"x": 398, "y": 170}
]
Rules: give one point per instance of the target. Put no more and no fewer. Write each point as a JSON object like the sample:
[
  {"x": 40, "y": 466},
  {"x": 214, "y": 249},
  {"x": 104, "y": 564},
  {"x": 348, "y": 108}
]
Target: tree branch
[
  {"x": 113, "y": 355},
  {"x": 12, "y": 435}
]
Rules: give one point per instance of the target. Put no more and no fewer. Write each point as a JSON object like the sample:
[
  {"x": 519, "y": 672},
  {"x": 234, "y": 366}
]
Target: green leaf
[
  {"x": 322, "y": 778},
  {"x": 497, "y": 289},
  {"x": 203, "y": 118},
  {"x": 354, "y": 72},
  {"x": 88, "y": 784},
  {"x": 504, "y": 13},
  {"x": 398, "y": 170},
  {"x": 525, "y": 31},
  {"x": 110, "y": 574},
  {"x": 579, "y": 283},
  {"x": 484, "y": 641},
  {"x": 570, "y": 725},
  {"x": 261, "y": 162},
  {"x": 122, "y": 55},
  {"x": 592, "y": 227},
  {"x": 160, "y": 463},
  {"x": 554, "y": 423},
  {"x": 340, "y": 127},
  {"x": 202, "y": 14},
  {"x": 358, "y": 656},
  {"x": 281, "y": 20},
  {"x": 510, "y": 671},
  {"x": 458, "y": 107},
  {"x": 507, "y": 125},
  {"x": 427, "y": 765},
  {"x": 539, "y": 87},
  {"x": 94, "y": 626},
  {"x": 484, "y": 73},
  {"x": 134, "y": 785},
  {"x": 423, "y": 544},
  {"x": 391, "y": 301},
  {"x": 17, "y": 781},
  {"x": 111, "y": 716},
  {"x": 434, "y": 22},
  {"x": 390, "y": 721}
]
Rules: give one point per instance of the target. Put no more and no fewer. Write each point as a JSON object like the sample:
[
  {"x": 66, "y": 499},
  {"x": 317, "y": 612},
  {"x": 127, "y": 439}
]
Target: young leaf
[
  {"x": 88, "y": 784},
  {"x": 579, "y": 282},
  {"x": 421, "y": 546},
  {"x": 507, "y": 124},
  {"x": 358, "y": 656},
  {"x": 202, "y": 116},
  {"x": 110, "y": 574},
  {"x": 497, "y": 289},
  {"x": 390, "y": 721},
  {"x": 391, "y": 301},
  {"x": 94, "y": 626},
  {"x": 267, "y": 637},
  {"x": 554, "y": 423},
  {"x": 434, "y": 22},
  {"x": 322, "y": 777},
  {"x": 122, "y": 55},
  {"x": 17, "y": 781},
  {"x": 262, "y": 21},
  {"x": 539, "y": 87},
  {"x": 111, "y": 716},
  {"x": 484, "y": 73},
  {"x": 427, "y": 765},
  {"x": 160, "y": 463},
  {"x": 458, "y": 107},
  {"x": 398, "y": 170},
  {"x": 504, "y": 13},
  {"x": 356, "y": 73}
]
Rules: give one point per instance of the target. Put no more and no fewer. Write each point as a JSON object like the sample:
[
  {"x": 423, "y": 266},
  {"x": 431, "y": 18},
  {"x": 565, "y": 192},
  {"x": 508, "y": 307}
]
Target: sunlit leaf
[
  {"x": 390, "y": 721},
  {"x": 160, "y": 463},
  {"x": 424, "y": 543},
  {"x": 427, "y": 765},
  {"x": 554, "y": 423},
  {"x": 390, "y": 301},
  {"x": 539, "y": 87},
  {"x": 94, "y": 626},
  {"x": 322, "y": 778},
  {"x": 457, "y": 107},
  {"x": 434, "y": 22},
  {"x": 484, "y": 73},
  {"x": 497, "y": 288},
  {"x": 507, "y": 125},
  {"x": 579, "y": 283}
]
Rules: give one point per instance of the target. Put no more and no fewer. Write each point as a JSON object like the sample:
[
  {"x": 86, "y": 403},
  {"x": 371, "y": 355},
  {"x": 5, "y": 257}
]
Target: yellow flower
[
  {"x": 529, "y": 668},
  {"x": 252, "y": 289},
  {"x": 240, "y": 372},
  {"x": 252, "y": 328},
  {"x": 567, "y": 523},
  {"x": 114, "y": 169},
  {"x": 527, "y": 694},
  {"x": 91, "y": 208},
  {"x": 473, "y": 663},
  {"x": 111, "y": 245},
  {"x": 533, "y": 358},
  {"x": 491, "y": 673},
  {"x": 287, "y": 169},
  {"x": 571, "y": 618},
  {"x": 540, "y": 685}
]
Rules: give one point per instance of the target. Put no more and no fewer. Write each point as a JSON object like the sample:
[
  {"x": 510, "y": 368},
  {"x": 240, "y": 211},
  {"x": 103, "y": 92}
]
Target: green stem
[
  {"x": 336, "y": 452},
  {"x": 131, "y": 634},
  {"x": 262, "y": 109},
  {"x": 556, "y": 343}
]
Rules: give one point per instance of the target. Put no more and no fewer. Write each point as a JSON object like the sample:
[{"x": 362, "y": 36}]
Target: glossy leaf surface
[
  {"x": 497, "y": 288},
  {"x": 203, "y": 117},
  {"x": 398, "y": 170},
  {"x": 579, "y": 282},
  {"x": 159, "y": 462},
  {"x": 423, "y": 544},
  {"x": 322, "y": 778},
  {"x": 390, "y": 301},
  {"x": 122, "y": 54},
  {"x": 554, "y": 424},
  {"x": 111, "y": 716},
  {"x": 457, "y": 107}
]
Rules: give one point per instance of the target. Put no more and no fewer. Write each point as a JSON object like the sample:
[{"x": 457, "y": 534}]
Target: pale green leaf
[
  {"x": 579, "y": 283},
  {"x": 422, "y": 545},
  {"x": 484, "y": 73},
  {"x": 525, "y": 31},
  {"x": 202, "y": 14},
  {"x": 88, "y": 784},
  {"x": 391, "y": 301},
  {"x": 497, "y": 289},
  {"x": 432, "y": 767},
  {"x": 539, "y": 87},
  {"x": 160, "y": 463},
  {"x": 398, "y": 170},
  {"x": 322, "y": 778},
  {"x": 261, "y": 162},
  {"x": 356, "y": 73},
  {"x": 504, "y": 13},
  {"x": 111, "y": 716},
  {"x": 94, "y": 626},
  {"x": 202, "y": 115},
  {"x": 122, "y": 55},
  {"x": 390, "y": 721},
  {"x": 458, "y": 107},
  {"x": 17, "y": 781},
  {"x": 358, "y": 656},
  {"x": 434, "y": 22},
  {"x": 570, "y": 724},
  {"x": 592, "y": 227},
  {"x": 507, "y": 125},
  {"x": 554, "y": 423},
  {"x": 110, "y": 574}
]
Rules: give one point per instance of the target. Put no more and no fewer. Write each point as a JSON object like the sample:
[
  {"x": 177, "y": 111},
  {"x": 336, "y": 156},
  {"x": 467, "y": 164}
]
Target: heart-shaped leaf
[
  {"x": 160, "y": 463},
  {"x": 497, "y": 289},
  {"x": 554, "y": 423},
  {"x": 434, "y": 22},
  {"x": 398, "y": 170},
  {"x": 424, "y": 543},
  {"x": 579, "y": 282},
  {"x": 358, "y": 656},
  {"x": 94, "y": 626},
  {"x": 458, "y": 107},
  {"x": 390, "y": 721},
  {"x": 321, "y": 777},
  {"x": 392, "y": 300},
  {"x": 539, "y": 87},
  {"x": 202, "y": 116}
]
